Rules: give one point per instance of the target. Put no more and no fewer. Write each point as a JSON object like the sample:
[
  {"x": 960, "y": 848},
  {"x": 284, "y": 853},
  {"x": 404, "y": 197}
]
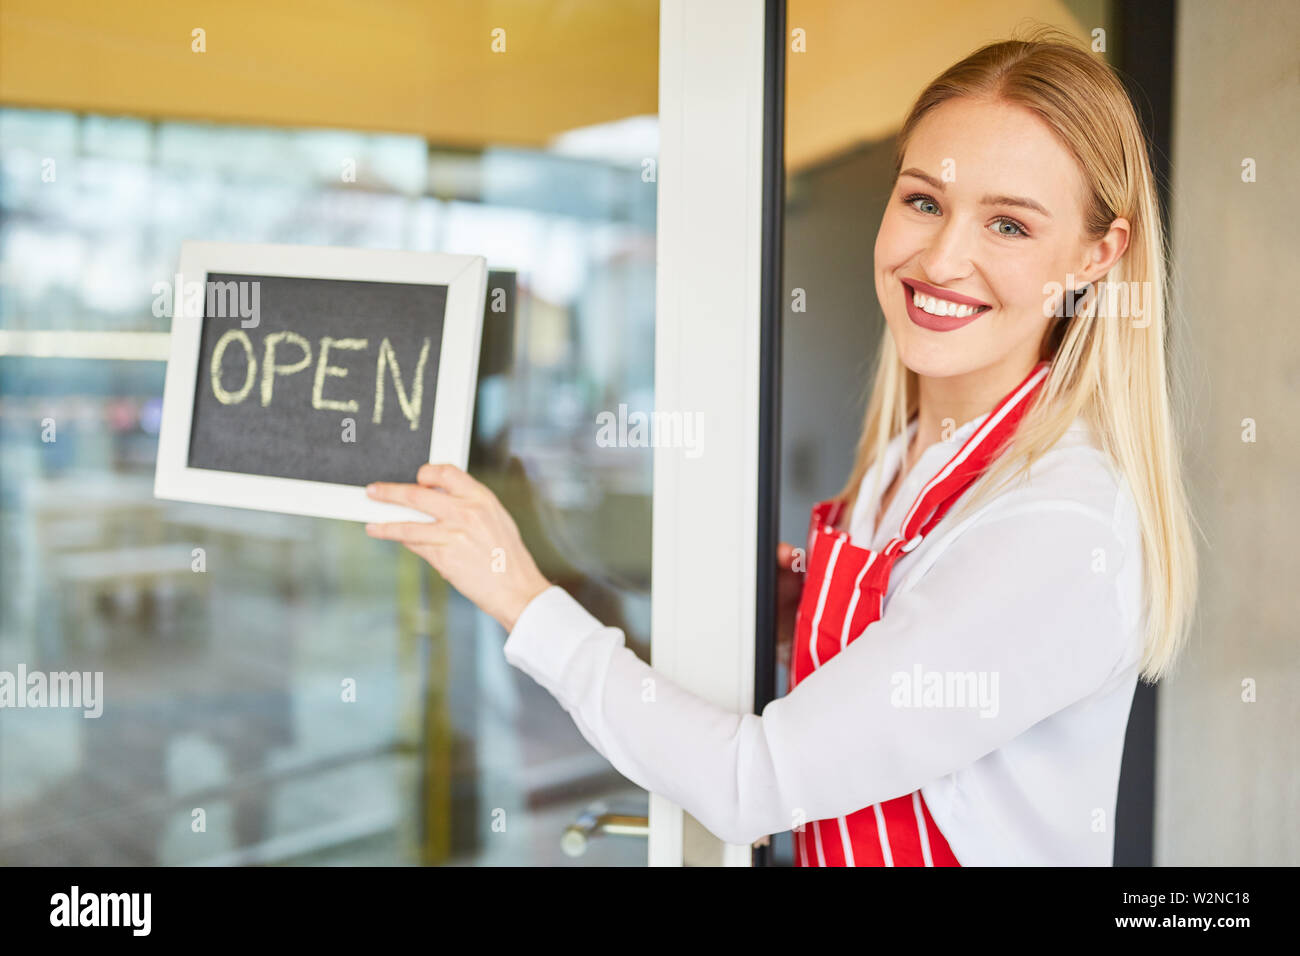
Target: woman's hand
[
  {"x": 474, "y": 543},
  {"x": 789, "y": 587}
]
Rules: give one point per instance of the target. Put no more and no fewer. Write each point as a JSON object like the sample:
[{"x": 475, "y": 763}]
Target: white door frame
[{"x": 708, "y": 339}]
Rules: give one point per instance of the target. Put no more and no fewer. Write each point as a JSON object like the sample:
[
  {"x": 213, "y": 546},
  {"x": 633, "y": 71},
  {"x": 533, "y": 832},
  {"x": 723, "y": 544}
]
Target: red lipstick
[{"x": 939, "y": 323}]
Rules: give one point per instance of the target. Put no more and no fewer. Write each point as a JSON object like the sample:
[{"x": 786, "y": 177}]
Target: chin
[{"x": 932, "y": 355}]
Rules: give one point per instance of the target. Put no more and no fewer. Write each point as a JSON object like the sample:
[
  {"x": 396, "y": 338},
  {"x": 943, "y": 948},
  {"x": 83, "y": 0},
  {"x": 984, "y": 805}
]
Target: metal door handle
[{"x": 597, "y": 821}]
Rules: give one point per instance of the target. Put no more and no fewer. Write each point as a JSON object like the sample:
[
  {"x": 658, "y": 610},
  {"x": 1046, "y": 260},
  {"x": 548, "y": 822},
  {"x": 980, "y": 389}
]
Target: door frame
[{"x": 717, "y": 355}]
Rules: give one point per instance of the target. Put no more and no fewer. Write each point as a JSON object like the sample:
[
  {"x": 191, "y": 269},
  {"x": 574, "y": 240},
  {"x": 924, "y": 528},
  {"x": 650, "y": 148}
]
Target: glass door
[{"x": 226, "y": 640}]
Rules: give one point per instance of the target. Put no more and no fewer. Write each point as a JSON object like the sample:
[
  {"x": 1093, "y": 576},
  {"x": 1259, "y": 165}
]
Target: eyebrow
[{"x": 1022, "y": 201}]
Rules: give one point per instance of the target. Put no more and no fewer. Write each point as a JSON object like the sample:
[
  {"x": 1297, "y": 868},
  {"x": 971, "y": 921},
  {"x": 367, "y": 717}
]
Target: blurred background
[
  {"x": 396, "y": 124},
  {"x": 379, "y": 124}
]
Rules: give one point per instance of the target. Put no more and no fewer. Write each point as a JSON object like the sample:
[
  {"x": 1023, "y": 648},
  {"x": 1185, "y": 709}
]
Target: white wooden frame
[
  {"x": 707, "y": 338},
  {"x": 465, "y": 277}
]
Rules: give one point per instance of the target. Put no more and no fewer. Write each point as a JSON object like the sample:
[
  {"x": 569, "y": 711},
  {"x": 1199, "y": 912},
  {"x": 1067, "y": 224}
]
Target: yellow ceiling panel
[
  {"x": 413, "y": 66},
  {"x": 866, "y": 62}
]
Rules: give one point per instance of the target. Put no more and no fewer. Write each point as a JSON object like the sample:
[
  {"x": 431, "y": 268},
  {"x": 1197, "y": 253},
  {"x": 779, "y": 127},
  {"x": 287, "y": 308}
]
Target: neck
[{"x": 945, "y": 404}]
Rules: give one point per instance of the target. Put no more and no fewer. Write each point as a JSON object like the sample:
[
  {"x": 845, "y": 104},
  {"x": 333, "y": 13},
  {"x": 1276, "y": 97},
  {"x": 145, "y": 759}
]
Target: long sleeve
[{"x": 1024, "y": 598}]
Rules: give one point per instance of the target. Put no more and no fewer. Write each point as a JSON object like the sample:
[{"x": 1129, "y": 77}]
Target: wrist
[{"x": 523, "y": 597}]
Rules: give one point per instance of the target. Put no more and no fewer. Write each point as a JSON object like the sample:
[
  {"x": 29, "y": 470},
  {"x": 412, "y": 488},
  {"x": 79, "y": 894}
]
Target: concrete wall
[{"x": 1228, "y": 771}]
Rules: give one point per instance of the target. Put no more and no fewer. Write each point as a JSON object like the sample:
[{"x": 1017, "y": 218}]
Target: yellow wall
[{"x": 397, "y": 65}]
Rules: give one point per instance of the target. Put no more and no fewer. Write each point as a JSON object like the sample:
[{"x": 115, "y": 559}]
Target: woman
[{"x": 966, "y": 642}]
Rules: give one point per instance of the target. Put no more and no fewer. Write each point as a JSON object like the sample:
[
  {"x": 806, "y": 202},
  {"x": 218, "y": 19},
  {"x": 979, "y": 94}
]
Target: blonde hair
[{"x": 1107, "y": 370}]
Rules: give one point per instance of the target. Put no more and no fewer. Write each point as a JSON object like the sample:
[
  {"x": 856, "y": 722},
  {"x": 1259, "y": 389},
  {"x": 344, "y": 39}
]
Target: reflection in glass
[{"x": 282, "y": 689}]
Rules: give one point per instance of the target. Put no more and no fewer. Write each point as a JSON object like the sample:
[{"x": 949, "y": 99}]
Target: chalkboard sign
[{"x": 298, "y": 375}]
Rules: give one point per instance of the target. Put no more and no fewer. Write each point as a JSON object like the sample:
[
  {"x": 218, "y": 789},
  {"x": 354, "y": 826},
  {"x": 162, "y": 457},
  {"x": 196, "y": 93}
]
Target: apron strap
[{"x": 968, "y": 464}]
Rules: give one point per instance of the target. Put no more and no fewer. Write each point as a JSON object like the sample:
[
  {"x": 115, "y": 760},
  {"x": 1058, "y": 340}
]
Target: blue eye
[
  {"x": 998, "y": 223},
  {"x": 1003, "y": 225},
  {"x": 921, "y": 202}
]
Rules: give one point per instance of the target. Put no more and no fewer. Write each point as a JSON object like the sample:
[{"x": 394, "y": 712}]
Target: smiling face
[{"x": 987, "y": 211}]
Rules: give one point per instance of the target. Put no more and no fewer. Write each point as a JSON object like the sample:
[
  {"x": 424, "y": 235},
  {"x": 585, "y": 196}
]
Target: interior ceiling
[
  {"x": 426, "y": 66},
  {"x": 867, "y": 61},
  {"x": 407, "y": 66}
]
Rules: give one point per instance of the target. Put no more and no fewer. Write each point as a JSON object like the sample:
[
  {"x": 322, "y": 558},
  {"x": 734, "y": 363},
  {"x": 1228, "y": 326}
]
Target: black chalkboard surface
[{"x": 334, "y": 383}]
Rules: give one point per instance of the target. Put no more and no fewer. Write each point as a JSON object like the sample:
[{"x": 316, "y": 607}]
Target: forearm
[{"x": 712, "y": 762}]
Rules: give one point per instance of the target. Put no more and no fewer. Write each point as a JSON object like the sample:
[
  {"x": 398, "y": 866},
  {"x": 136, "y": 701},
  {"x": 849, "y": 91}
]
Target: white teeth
[{"x": 929, "y": 303}]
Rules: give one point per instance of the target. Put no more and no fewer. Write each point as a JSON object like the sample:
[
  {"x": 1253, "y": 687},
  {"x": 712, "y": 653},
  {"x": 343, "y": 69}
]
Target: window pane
[{"x": 279, "y": 689}]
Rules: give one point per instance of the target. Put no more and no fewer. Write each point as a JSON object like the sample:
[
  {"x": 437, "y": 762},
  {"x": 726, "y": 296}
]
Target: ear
[{"x": 1105, "y": 252}]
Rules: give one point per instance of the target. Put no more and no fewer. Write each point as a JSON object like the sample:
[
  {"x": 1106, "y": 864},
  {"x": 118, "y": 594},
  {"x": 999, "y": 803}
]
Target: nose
[{"x": 948, "y": 257}]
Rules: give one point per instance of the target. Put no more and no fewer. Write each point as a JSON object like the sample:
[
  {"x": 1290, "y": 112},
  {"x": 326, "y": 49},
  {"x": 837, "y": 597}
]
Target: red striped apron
[{"x": 843, "y": 594}]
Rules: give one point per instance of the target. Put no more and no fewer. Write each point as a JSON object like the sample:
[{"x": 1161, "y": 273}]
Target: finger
[
  {"x": 411, "y": 532},
  {"x": 427, "y": 500},
  {"x": 456, "y": 481},
  {"x": 784, "y": 554}
]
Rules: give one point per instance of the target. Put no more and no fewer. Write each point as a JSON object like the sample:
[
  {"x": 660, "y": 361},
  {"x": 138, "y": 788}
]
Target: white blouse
[{"x": 1033, "y": 604}]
